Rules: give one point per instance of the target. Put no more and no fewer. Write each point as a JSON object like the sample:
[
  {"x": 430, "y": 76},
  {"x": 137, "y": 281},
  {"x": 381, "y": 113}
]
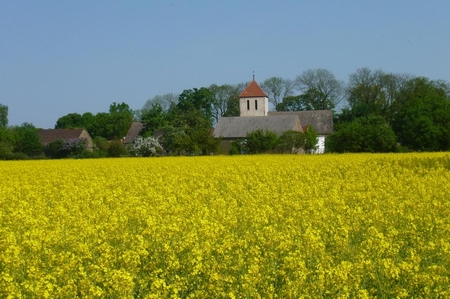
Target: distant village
[{"x": 384, "y": 112}]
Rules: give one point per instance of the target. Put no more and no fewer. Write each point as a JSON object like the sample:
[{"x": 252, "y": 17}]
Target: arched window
[{"x": 256, "y": 104}]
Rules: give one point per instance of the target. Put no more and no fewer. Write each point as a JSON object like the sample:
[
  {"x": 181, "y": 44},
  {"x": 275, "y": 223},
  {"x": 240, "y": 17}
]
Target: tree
[
  {"x": 153, "y": 118},
  {"x": 174, "y": 140},
  {"x": 121, "y": 117},
  {"x": 69, "y": 121},
  {"x": 365, "y": 134},
  {"x": 291, "y": 142},
  {"x": 226, "y": 100},
  {"x": 277, "y": 89},
  {"x": 197, "y": 99},
  {"x": 422, "y": 119},
  {"x": 101, "y": 126},
  {"x": 375, "y": 92},
  {"x": 164, "y": 101},
  {"x": 301, "y": 102},
  {"x": 324, "y": 91},
  {"x": 310, "y": 140},
  {"x": 75, "y": 121},
  {"x": 26, "y": 140},
  {"x": 147, "y": 146},
  {"x": 260, "y": 141},
  {"x": 6, "y": 136},
  {"x": 3, "y": 116}
]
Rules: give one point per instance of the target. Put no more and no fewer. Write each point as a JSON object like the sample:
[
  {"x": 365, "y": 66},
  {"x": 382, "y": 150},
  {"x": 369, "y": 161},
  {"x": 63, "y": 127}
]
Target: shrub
[
  {"x": 117, "y": 149},
  {"x": 260, "y": 141}
]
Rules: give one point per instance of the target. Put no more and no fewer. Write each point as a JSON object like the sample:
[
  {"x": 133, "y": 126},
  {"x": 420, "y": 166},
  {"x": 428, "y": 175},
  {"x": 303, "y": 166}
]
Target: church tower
[{"x": 253, "y": 101}]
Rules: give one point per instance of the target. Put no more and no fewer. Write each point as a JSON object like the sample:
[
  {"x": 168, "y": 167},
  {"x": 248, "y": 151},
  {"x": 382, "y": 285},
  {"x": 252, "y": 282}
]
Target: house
[
  {"x": 254, "y": 115},
  {"x": 133, "y": 132},
  {"x": 49, "y": 135}
]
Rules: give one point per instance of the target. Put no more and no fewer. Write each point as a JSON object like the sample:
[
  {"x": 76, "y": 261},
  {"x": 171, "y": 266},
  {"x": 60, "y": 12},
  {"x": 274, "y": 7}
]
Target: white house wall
[{"x": 320, "y": 145}]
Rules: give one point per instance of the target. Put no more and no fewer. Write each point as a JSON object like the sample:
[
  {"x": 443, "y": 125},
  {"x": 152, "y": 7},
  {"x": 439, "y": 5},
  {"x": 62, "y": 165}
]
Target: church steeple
[{"x": 253, "y": 101}]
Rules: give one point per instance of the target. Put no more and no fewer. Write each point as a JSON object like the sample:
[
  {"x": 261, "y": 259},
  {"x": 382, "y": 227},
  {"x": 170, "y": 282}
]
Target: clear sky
[{"x": 61, "y": 57}]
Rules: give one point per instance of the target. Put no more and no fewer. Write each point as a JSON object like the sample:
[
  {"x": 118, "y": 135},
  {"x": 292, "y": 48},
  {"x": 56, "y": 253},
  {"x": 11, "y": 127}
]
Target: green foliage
[
  {"x": 422, "y": 121},
  {"x": 153, "y": 118},
  {"x": 196, "y": 100},
  {"x": 321, "y": 90},
  {"x": 291, "y": 142},
  {"x": 238, "y": 147},
  {"x": 225, "y": 100},
  {"x": 174, "y": 140},
  {"x": 26, "y": 140},
  {"x": 365, "y": 134},
  {"x": 5, "y": 150},
  {"x": 100, "y": 143},
  {"x": 69, "y": 121},
  {"x": 120, "y": 119},
  {"x": 113, "y": 125},
  {"x": 59, "y": 149},
  {"x": 3, "y": 116},
  {"x": 55, "y": 149},
  {"x": 294, "y": 103},
  {"x": 277, "y": 89},
  {"x": 117, "y": 149},
  {"x": 310, "y": 140},
  {"x": 260, "y": 141}
]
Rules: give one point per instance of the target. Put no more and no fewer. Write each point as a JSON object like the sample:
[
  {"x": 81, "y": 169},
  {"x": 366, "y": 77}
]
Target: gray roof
[
  {"x": 320, "y": 120},
  {"x": 133, "y": 132},
  {"x": 50, "y": 135},
  {"x": 239, "y": 127}
]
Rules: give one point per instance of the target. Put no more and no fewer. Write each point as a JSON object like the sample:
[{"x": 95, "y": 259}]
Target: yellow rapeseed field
[{"x": 270, "y": 226}]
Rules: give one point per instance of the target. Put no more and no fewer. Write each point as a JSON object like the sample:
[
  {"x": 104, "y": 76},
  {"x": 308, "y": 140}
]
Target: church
[{"x": 254, "y": 115}]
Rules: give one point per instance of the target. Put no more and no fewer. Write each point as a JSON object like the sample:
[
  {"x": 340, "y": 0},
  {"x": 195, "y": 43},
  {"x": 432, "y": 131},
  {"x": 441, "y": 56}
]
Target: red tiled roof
[
  {"x": 50, "y": 135},
  {"x": 253, "y": 90}
]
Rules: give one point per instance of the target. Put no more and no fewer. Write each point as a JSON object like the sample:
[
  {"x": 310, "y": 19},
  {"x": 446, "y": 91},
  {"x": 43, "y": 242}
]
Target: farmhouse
[
  {"x": 133, "y": 132},
  {"x": 49, "y": 135},
  {"x": 254, "y": 115}
]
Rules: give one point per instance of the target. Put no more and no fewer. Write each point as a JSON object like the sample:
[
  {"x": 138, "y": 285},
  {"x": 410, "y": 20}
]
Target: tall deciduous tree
[
  {"x": 422, "y": 119},
  {"x": 165, "y": 101},
  {"x": 121, "y": 117},
  {"x": 153, "y": 118},
  {"x": 324, "y": 91},
  {"x": 193, "y": 117},
  {"x": 375, "y": 92},
  {"x": 69, "y": 121},
  {"x": 277, "y": 89},
  {"x": 226, "y": 100}
]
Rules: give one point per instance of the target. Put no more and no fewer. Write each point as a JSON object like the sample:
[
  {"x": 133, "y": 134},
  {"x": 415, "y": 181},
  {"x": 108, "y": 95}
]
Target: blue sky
[{"x": 61, "y": 57}]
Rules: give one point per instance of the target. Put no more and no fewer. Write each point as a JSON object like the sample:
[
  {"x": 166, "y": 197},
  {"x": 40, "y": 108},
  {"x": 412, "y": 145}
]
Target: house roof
[
  {"x": 253, "y": 91},
  {"x": 239, "y": 127},
  {"x": 50, "y": 135},
  {"x": 320, "y": 120},
  {"x": 133, "y": 131}
]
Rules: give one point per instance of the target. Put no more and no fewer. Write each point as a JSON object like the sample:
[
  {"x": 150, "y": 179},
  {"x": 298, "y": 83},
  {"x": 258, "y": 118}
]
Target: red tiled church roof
[{"x": 253, "y": 90}]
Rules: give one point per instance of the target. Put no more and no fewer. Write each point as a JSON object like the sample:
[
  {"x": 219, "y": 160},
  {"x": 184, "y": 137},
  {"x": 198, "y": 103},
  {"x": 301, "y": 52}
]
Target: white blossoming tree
[{"x": 147, "y": 147}]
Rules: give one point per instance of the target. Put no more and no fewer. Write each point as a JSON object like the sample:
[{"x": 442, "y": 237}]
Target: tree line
[{"x": 374, "y": 111}]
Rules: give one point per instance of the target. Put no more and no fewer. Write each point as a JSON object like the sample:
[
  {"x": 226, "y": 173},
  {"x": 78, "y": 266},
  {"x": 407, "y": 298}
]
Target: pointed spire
[
  {"x": 253, "y": 75},
  {"x": 253, "y": 90}
]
